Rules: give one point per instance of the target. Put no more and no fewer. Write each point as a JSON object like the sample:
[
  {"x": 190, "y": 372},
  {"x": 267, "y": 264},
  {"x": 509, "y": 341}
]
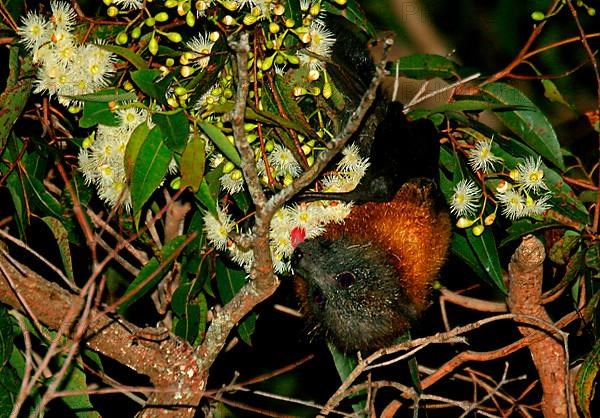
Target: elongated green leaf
[
  {"x": 13, "y": 99},
  {"x": 229, "y": 282},
  {"x": 353, "y": 12},
  {"x": 6, "y": 336},
  {"x": 461, "y": 248},
  {"x": 62, "y": 240},
  {"x": 530, "y": 125},
  {"x": 584, "y": 382},
  {"x": 175, "y": 127},
  {"x": 523, "y": 227},
  {"x": 152, "y": 273},
  {"x": 95, "y": 113},
  {"x": 128, "y": 54},
  {"x": 486, "y": 251},
  {"x": 205, "y": 197},
  {"x": 137, "y": 139},
  {"x": 424, "y": 66},
  {"x": 221, "y": 141},
  {"x": 41, "y": 198},
  {"x": 106, "y": 96},
  {"x": 80, "y": 404},
  {"x": 145, "y": 80},
  {"x": 149, "y": 168},
  {"x": 192, "y": 163}
]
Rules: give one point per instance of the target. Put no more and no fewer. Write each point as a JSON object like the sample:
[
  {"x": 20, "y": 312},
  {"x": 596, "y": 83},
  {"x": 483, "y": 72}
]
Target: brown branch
[
  {"x": 170, "y": 364},
  {"x": 549, "y": 355}
]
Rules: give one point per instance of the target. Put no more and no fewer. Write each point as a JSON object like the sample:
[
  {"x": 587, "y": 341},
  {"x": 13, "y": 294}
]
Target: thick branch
[
  {"x": 525, "y": 297},
  {"x": 169, "y": 364}
]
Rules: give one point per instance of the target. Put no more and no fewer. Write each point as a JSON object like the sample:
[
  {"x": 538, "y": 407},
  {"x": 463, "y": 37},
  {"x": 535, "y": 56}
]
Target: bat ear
[{"x": 411, "y": 146}]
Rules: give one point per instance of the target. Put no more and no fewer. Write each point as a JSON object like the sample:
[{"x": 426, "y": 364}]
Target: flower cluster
[
  {"x": 524, "y": 195},
  {"x": 101, "y": 159},
  {"x": 292, "y": 224},
  {"x": 67, "y": 67}
]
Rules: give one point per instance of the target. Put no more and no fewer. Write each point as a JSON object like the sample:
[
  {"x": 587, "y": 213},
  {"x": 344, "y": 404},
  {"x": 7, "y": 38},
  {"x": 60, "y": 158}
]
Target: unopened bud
[
  {"x": 464, "y": 222},
  {"x": 478, "y": 230}
]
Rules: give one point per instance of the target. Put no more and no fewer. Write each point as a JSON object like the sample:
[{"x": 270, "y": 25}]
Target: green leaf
[
  {"x": 192, "y": 163},
  {"x": 149, "y": 168},
  {"x": 175, "y": 126},
  {"x": 458, "y": 106},
  {"x": 424, "y": 66},
  {"x": 62, "y": 240},
  {"x": 205, "y": 197},
  {"x": 152, "y": 273},
  {"x": 353, "y": 13},
  {"x": 106, "y": 96},
  {"x": 484, "y": 247},
  {"x": 221, "y": 141},
  {"x": 128, "y": 54},
  {"x": 13, "y": 99},
  {"x": 136, "y": 140},
  {"x": 461, "y": 248},
  {"x": 584, "y": 382},
  {"x": 95, "y": 113},
  {"x": 75, "y": 380},
  {"x": 530, "y": 125},
  {"x": 145, "y": 80},
  {"x": 522, "y": 227},
  {"x": 9, "y": 389},
  {"x": 6, "y": 336},
  {"x": 41, "y": 198},
  {"x": 229, "y": 282},
  {"x": 345, "y": 364}
]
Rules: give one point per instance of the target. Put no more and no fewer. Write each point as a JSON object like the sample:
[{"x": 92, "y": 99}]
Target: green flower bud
[
  {"x": 169, "y": 62},
  {"x": 228, "y": 93},
  {"x": 169, "y": 4},
  {"x": 273, "y": 27},
  {"x": 478, "y": 230},
  {"x": 236, "y": 174},
  {"x": 289, "y": 22},
  {"x": 153, "y": 46},
  {"x": 538, "y": 16},
  {"x": 292, "y": 59},
  {"x": 150, "y": 22},
  {"x": 180, "y": 90},
  {"x": 174, "y": 37},
  {"x": 327, "y": 90},
  {"x": 340, "y": 2},
  {"x": 267, "y": 63},
  {"x": 232, "y": 6},
  {"x": 112, "y": 11},
  {"x": 465, "y": 222},
  {"x": 269, "y": 145},
  {"x": 107, "y": 2},
  {"x": 171, "y": 101},
  {"x": 315, "y": 9},
  {"x": 176, "y": 183},
  {"x": 136, "y": 32},
  {"x": 249, "y": 20},
  {"x": 228, "y": 167},
  {"x": 161, "y": 17},
  {"x": 190, "y": 19},
  {"x": 121, "y": 38}
]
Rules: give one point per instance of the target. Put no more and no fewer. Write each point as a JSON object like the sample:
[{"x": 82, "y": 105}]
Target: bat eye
[
  {"x": 297, "y": 256},
  {"x": 319, "y": 298},
  {"x": 345, "y": 279}
]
